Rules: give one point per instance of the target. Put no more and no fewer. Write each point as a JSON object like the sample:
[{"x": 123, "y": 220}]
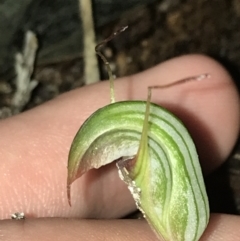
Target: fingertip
[{"x": 209, "y": 108}]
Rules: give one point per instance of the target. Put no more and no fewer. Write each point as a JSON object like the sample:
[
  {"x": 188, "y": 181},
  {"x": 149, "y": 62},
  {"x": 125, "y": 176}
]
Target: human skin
[{"x": 35, "y": 144}]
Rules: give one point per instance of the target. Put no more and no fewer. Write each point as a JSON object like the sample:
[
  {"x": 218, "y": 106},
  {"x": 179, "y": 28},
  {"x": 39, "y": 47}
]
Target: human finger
[
  {"x": 221, "y": 227},
  {"x": 35, "y": 144}
]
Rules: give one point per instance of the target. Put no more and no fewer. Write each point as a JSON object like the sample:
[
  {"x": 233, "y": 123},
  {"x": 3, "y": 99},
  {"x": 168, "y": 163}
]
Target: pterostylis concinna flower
[{"x": 157, "y": 159}]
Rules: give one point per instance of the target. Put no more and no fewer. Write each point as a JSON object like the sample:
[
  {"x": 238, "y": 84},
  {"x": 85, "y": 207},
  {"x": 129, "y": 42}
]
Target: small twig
[
  {"x": 91, "y": 70},
  {"x": 24, "y": 68}
]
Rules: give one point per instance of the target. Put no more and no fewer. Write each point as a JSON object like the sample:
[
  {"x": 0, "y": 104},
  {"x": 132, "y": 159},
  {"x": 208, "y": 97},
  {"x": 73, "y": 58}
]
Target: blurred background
[{"x": 36, "y": 69}]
